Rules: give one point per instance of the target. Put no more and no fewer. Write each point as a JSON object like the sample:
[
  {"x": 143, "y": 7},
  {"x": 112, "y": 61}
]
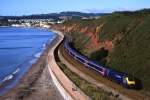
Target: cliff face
[
  {"x": 91, "y": 32},
  {"x": 126, "y": 36}
]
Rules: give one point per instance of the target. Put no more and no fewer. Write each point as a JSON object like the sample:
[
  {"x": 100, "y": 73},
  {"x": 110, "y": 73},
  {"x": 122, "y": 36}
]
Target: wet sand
[{"x": 36, "y": 83}]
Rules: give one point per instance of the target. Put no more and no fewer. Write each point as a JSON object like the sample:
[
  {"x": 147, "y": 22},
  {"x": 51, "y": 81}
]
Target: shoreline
[{"x": 24, "y": 87}]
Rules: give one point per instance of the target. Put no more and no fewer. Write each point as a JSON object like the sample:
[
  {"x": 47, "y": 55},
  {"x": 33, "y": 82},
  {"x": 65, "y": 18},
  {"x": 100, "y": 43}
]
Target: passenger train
[{"x": 123, "y": 79}]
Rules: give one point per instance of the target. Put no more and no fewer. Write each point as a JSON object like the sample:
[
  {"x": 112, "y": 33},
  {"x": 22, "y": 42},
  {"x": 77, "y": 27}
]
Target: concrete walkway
[{"x": 62, "y": 82}]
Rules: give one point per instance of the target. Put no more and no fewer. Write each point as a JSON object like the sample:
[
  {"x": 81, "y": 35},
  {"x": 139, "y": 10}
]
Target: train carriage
[{"x": 118, "y": 77}]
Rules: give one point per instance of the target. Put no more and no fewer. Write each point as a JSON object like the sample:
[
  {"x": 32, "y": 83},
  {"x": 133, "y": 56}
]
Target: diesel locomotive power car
[{"x": 119, "y": 77}]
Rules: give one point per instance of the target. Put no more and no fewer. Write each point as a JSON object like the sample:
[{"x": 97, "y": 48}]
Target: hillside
[
  {"x": 55, "y": 16},
  {"x": 119, "y": 40}
]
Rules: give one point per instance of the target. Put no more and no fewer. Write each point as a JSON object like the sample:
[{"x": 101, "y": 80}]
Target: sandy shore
[{"x": 36, "y": 83}]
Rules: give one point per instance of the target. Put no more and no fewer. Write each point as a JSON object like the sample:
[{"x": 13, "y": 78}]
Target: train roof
[{"x": 94, "y": 62}]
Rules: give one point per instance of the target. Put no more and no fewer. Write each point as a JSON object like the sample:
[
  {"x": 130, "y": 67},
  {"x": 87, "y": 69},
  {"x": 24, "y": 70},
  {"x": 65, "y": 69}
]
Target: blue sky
[{"x": 26, "y": 7}]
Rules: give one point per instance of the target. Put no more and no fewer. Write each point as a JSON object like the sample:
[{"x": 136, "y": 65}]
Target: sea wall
[
  {"x": 65, "y": 86},
  {"x": 61, "y": 89}
]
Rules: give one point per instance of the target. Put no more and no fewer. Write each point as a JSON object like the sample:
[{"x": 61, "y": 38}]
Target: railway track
[{"x": 97, "y": 78}]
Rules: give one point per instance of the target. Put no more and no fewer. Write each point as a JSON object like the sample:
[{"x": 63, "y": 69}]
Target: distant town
[
  {"x": 45, "y": 20},
  {"x": 45, "y": 23}
]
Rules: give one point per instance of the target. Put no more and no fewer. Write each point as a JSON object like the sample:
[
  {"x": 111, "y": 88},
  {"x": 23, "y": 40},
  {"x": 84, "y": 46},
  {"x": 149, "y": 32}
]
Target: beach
[{"x": 36, "y": 84}]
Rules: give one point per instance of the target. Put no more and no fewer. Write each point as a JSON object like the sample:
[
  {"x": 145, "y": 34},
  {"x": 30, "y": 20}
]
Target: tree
[{"x": 99, "y": 55}]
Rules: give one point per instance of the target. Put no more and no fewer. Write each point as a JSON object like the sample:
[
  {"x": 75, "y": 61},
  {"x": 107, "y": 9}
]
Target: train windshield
[{"x": 131, "y": 79}]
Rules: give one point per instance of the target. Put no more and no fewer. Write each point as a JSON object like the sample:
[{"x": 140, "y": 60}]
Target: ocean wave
[
  {"x": 44, "y": 45},
  {"x": 16, "y": 71},
  {"x": 33, "y": 61},
  {"x": 11, "y": 76},
  {"x": 37, "y": 55}
]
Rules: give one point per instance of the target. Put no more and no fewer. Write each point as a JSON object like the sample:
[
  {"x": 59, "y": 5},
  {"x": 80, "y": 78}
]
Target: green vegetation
[
  {"x": 131, "y": 52},
  {"x": 130, "y": 34},
  {"x": 100, "y": 56},
  {"x": 93, "y": 92},
  {"x": 81, "y": 45},
  {"x": 132, "y": 55}
]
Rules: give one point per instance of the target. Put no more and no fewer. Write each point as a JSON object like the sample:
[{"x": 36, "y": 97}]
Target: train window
[
  {"x": 71, "y": 54},
  {"x": 80, "y": 59},
  {"x": 118, "y": 76},
  {"x": 92, "y": 65},
  {"x": 100, "y": 69},
  {"x": 96, "y": 67}
]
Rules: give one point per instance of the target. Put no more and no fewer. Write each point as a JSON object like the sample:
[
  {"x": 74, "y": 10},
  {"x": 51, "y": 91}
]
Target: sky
[{"x": 28, "y": 7}]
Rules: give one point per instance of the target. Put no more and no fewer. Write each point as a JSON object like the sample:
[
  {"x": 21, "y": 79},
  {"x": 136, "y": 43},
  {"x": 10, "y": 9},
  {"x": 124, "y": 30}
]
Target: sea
[{"x": 19, "y": 49}]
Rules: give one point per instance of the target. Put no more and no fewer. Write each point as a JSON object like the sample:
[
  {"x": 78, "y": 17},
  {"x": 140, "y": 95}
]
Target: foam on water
[
  {"x": 33, "y": 61},
  {"x": 44, "y": 45},
  {"x": 9, "y": 77},
  {"x": 38, "y": 55},
  {"x": 16, "y": 71}
]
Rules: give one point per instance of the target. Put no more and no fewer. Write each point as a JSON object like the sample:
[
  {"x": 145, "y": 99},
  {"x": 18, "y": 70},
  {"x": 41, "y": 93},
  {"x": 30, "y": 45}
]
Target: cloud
[
  {"x": 109, "y": 10},
  {"x": 93, "y": 10}
]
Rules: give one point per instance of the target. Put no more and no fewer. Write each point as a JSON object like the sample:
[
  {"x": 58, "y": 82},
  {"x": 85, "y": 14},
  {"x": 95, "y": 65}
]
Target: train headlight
[{"x": 130, "y": 81}]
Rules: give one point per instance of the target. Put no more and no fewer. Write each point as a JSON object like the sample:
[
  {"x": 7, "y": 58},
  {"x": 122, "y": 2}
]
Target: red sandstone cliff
[{"x": 92, "y": 32}]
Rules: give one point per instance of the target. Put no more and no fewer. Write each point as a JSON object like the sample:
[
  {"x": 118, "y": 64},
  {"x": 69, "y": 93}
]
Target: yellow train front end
[{"x": 131, "y": 83}]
